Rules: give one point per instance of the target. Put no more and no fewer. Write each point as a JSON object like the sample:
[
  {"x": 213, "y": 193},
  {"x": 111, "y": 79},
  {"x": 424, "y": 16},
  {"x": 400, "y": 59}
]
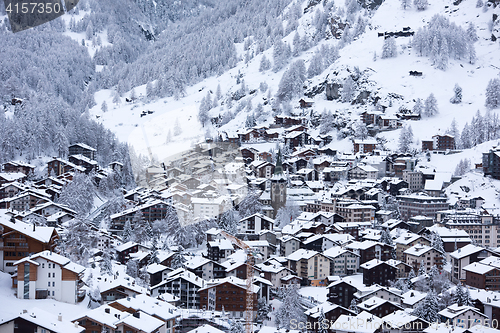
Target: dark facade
[
  {"x": 413, "y": 205},
  {"x": 379, "y": 274},
  {"x": 331, "y": 316},
  {"x": 491, "y": 163},
  {"x": 342, "y": 294},
  {"x": 83, "y": 149},
  {"x": 488, "y": 281}
]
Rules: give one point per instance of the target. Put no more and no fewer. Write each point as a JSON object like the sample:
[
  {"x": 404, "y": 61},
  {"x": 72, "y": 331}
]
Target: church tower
[{"x": 278, "y": 186}]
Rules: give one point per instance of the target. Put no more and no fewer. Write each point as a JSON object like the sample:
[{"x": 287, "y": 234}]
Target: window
[
  {"x": 53, "y": 285},
  {"x": 49, "y": 264},
  {"x": 53, "y": 292},
  {"x": 49, "y": 274},
  {"x": 49, "y": 283}
]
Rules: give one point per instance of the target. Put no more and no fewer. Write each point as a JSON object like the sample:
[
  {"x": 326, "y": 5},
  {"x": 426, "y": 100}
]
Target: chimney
[
  {"x": 33, "y": 227},
  {"x": 25, "y": 311},
  {"x": 59, "y": 317},
  {"x": 137, "y": 315},
  {"x": 76, "y": 324},
  {"x": 107, "y": 310}
]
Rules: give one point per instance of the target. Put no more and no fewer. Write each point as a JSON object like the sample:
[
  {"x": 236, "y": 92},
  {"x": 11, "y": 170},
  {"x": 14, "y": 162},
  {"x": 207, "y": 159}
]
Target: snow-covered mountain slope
[{"x": 386, "y": 76}]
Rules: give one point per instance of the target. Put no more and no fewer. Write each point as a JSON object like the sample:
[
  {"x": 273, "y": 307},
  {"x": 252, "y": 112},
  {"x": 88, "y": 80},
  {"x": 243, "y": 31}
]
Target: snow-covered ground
[{"x": 10, "y": 305}]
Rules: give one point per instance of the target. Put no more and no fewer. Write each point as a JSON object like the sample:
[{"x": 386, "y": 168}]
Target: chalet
[
  {"x": 157, "y": 273},
  {"x": 205, "y": 268},
  {"x": 274, "y": 273},
  {"x": 18, "y": 167},
  {"x": 379, "y": 307},
  {"x": 342, "y": 261},
  {"x": 82, "y": 149},
  {"x": 378, "y": 272},
  {"x": 288, "y": 245},
  {"x": 150, "y": 211},
  {"x": 363, "y": 172},
  {"x": 308, "y": 174},
  {"x": 407, "y": 240},
  {"x": 418, "y": 253},
  {"x": 9, "y": 190},
  {"x": 58, "y": 166},
  {"x": 389, "y": 122},
  {"x": 83, "y": 161},
  {"x": 303, "y": 104},
  {"x": 123, "y": 251},
  {"x": 287, "y": 121},
  {"x": 108, "y": 319},
  {"x": 364, "y": 146},
  {"x": 331, "y": 312},
  {"x": 218, "y": 250},
  {"x": 249, "y": 134},
  {"x": 37, "y": 320},
  {"x": 214, "y": 296},
  {"x": 465, "y": 256},
  {"x": 12, "y": 177},
  {"x": 341, "y": 292},
  {"x": 183, "y": 284},
  {"x": 19, "y": 239},
  {"x": 369, "y": 250},
  {"x": 402, "y": 321},
  {"x": 309, "y": 265},
  {"x": 255, "y": 223},
  {"x": 113, "y": 289},
  {"x": 296, "y": 139},
  {"x": 365, "y": 322},
  {"x": 305, "y": 153},
  {"x": 483, "y": 276},
  {"x": 371, "y": 117},
  {"x": 49, "y": 275},
  {"x": 412, "y": 299},
  {"x": 467, "y": 315},
  {"x": 161, "y": 310}
]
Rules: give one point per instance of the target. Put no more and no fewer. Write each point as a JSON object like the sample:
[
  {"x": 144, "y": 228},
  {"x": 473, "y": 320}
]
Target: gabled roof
[
  {"x": 302, "y": 254},
  {"x": 466, "y": 251},
  {"x": 455, "y": 310},
  {"x": 326, "y": 307},
  {"x": 41, "y": 234}
]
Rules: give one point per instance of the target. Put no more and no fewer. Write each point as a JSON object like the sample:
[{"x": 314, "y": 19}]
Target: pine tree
[
  {"x": 178, "y": 261},
  {"x": 459, "y": 295},
  {"x": 106, "y": 264},
  {"x": 116, "y": 98},
  {"x": 132, "y": 268},
  {"x": 465, "y": 138},
  {"x": 457, "y": 98},
  {"x": 104, "y": 107},
  {"x": 360, "y": 130},
  {"x": 437, "y": 244},
  {"x": 422, "y": 270},
  {"x": 290, "y": 309},
  {"x": 405, "y": 4},
  {"x": 467, "y": 299},
  {"x": 153, "y": 259},
  {"x": 323, "y": 324},
  {"x": 296, "y": 44},
  {"x": 418, "y": 107},
  {"x": 389, "y": 49},
  {"x": 431, "y": 107},
  {"x": 127, "y": 232},
  {"x": 421, "y": 4},
  {"x": 405, "y": 139},
  {"x": 236, "y": 327},
  {"x": 291, "y": 83},
  {"x": 428, "y": 309},
  {"x": 354, "y": 306},
  {"x": 493, "y": 94}
]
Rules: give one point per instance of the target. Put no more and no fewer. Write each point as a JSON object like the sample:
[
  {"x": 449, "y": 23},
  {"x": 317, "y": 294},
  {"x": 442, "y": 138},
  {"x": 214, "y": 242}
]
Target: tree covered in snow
[
  {"x": 405, "y": 139},
  {"x": 389, "y": 49},
  {"x": 462, "y": 295},
  {"x": 441, "y": 40},
  {"x": 290, "y": 309},
  {"x": 465, "y": 137},
  {"x": 106, "y": 262},
  {"x": 80, "y": 240},
  {"x": 177, "y": 128},
  {"x": 178, "y": 261},
  {"x": 153, "y": 254},
  {"x": 360, "y": 130},
  {"x": 421, "y": 4},
  {"x": 265, "y": 64},
  {"x": 348, "y": 90},
  {"x": 431, "y": 107},
  {"x": 315, "y": 65},
  {"x": 132, "y": 268},
  {"x": 405, "y": 4},
  {"x": 287, "y": 214},
  {"x": 228, "y": 220},
  {"x": 422, "y": 270},
  {"x": 236, "y": 327},
  {"x": 127, "y": 234},
  {"x": 323, "y": 323},
  {"x": 291, "y": 83},
  {"x": 79, "y": 194},
  {"x": 428, "y": 309},
  {"x": 281, "y": 54},
  {"x": 457, "y": 98},
  {"x": 263, "y": 309},
  {"x": 418, "y": 107},
  {"x": 354, "y": 306},
  {"x": 250, "y": 204},
  {"x": 205, "y": 106},
  {"x": 462, "y": 167},
  {"x": 493, "y": 94}
]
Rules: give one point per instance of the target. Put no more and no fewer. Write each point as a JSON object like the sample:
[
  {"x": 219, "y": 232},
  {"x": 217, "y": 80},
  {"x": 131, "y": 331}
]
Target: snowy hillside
[{"x": 386, "y": 76}]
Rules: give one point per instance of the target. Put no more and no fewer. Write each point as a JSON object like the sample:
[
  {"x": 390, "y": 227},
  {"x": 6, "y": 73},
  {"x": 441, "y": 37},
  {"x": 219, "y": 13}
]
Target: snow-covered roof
[
  {"x": 206, "y": 328},
  {"x": 364, "y": 322},
  {"x": 326, "y": 307},
  {"x": 301, "y": 254},
  {"x": 222, "y": 244},
  {"x": 232, "y": 280},
  {"x": 150, "y": 305},
  {"x": 479, "y": 268},
  {"x": 374, "y": 302},
  {"x": 125, "y": 246},
  {"x": 47, "y": 321},
  {"x": 83, "y": 145},
  {"x": 465, "y": 251},
  {"x": 336, "y": 251},
  {"x": 412, "y": 297},
  {"x": 456, "y": 310},
  {"x": 42, "y": 234},
  {"x": 196, "y": 261},
  {"x": 12, "y": 176},
  {"x": 374, "y": 263},
  {"x": 418, "y": 250},
  {"x": 398, "y": 319},
  {"x": 156, "y": 268}
]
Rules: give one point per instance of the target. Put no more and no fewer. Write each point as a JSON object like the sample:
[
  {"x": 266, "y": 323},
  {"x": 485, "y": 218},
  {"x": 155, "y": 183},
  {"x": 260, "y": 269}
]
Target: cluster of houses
[{"x": 337, "y": 241}]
